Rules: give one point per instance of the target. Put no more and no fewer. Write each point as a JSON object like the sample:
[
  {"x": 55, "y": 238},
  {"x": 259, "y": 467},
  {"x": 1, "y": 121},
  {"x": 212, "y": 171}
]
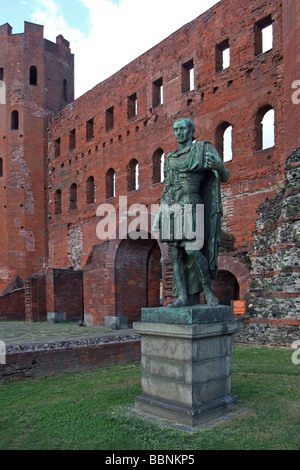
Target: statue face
[{"x": 182, "y": 132}]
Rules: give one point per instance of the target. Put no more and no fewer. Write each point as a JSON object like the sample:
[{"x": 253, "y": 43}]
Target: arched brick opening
[
  {"x": 232, "y": 281},
  {"x": 137, "y": 277},
  {"x": 238, "y": 270},
  {"x": 158, "y": 165},
  {"x": 122, "y": 275},
  {"x": 226, "y": 287}
]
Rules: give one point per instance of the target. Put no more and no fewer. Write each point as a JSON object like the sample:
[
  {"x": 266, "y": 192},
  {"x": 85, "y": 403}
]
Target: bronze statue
[{"x": 192, "y": 177}]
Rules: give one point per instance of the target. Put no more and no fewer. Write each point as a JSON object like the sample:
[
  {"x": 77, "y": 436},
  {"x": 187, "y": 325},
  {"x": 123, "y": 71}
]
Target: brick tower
[{"x": 36, "y": 80}]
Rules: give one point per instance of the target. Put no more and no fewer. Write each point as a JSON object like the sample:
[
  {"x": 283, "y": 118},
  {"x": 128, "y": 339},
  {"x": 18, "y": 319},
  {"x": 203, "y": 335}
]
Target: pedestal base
[
  {"x": 116, "y": 323},
  {"x": 184, "y": 415},
  {"x": 186, "y": 363},
  {"x": 54, "y": 317}
]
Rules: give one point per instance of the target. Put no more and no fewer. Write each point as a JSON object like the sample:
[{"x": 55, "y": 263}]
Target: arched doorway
[
  {"x": 226, "y": 287},
  {"x": 137, "y": 277}
]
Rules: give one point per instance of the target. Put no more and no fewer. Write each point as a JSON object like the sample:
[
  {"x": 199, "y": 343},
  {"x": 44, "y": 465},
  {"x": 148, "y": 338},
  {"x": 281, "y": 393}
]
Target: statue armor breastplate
[{"x": 184, "y": 188}]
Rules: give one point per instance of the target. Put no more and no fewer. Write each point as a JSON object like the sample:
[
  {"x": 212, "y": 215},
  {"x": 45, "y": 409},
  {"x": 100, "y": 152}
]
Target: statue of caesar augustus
[{"x": 192, "y": 177}]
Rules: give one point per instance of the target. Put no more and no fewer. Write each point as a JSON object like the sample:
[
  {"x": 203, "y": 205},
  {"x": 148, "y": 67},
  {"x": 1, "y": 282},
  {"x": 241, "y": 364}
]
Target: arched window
[
  {"x": 1, "y": 167},
  {"x": 15, "y": 120},
  {"x": 133, "y": 175},
  {"x": 227, "y": 144},
  {"x": 110, "y": 183},
  {"x": 265, "y": 128},
  {"x": 33, "y": 75},
  {"x": 224, "y": 141},
  {"x": 268, "y": 134},
  {"x": 73, "y": 197},
  {"x": 158, "y": 166},
  {"x": 57, "y": 202},
  {"x": 90, "y": 190}
]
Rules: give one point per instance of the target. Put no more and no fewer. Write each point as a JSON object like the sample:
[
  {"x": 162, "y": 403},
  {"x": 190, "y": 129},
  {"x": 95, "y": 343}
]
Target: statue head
[{"x": 184, "y": 129}]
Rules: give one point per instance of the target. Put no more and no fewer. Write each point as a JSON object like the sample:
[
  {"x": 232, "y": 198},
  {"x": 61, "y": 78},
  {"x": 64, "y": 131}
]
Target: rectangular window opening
[
  {"x": 263, "y": 35},
  {"x": 157, "y": 93},
  {"x": 132, "y": 106},
  {"x": 72, "y": 139},
  {"x": 33, "y": 75},
  {"x": 187, "y": 73},
  {"x": 222, "y": 55},
  {"x": 90, "y": 129},
  {"x": 110, "y": 118},
  {"x": 57, "y": 148}
]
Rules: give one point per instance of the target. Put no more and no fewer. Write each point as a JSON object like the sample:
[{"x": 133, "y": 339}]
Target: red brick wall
[
  {"x": 12, "y": 306},
  {"x": 45, "y": 363},
  {"x": 23, "y": 186},
  {"x": 99, "y": 284},
  {"x": 136, "y": 277},
  {"x": 242, "y": 89},
  {"x": 120, "y": 279},
  {"x": 234, "y": 95},
  {"x": 64, "y": 291},
  {"x": 291, "y": 38}
]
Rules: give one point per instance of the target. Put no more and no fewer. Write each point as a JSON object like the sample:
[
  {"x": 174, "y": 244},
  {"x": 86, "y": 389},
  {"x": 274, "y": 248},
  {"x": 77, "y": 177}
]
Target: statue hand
[{"x": 212, "y": 161}]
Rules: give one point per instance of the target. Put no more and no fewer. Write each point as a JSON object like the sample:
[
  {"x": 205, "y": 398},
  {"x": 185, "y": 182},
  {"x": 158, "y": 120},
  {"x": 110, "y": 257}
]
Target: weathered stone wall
[
  {"x": 279, "y": 333},
  {"x": 274, "y": 298}
]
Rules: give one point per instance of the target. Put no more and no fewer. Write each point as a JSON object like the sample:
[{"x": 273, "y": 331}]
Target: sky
[{"x": 104, "y": 35}]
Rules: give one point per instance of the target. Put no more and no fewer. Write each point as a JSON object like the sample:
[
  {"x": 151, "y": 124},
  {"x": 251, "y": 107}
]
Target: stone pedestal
[
  {"x": 55, "y": 317},
  {"x": 186, "y": 363},
  {"x": 116, "y": 323}
]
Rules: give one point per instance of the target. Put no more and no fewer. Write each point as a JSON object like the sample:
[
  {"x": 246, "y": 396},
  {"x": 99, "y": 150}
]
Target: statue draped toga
[{"x": 192, "y": 177}]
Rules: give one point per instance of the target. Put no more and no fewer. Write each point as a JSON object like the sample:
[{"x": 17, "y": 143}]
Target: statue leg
[
  {"x": 205, "y": 277},
  {"x": 179, "y": 277}
]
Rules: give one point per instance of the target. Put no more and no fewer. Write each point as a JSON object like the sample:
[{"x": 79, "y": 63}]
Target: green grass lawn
[{"x": 85, "y": 410}]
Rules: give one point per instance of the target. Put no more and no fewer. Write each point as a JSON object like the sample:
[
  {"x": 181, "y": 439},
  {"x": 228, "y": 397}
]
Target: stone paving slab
[{"x": 21, "y": 333}]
